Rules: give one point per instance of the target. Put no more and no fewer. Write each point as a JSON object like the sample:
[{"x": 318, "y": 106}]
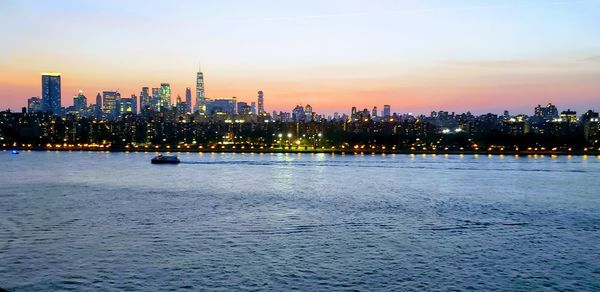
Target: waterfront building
[{"x": 51, "y": 93}]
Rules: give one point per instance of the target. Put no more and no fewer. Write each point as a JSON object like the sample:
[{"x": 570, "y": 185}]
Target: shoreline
[{"x": 319, "y": 151}]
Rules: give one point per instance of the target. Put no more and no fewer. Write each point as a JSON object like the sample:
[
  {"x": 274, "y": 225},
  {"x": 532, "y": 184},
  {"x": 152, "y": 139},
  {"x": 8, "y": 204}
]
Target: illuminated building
[
  {"x": 221, "y": 106},
  {"x": 145, "y": 99},
  {"x": 261, "y": 105},
  {"x": 298, "y": 114},
  {"x": 34, "y": 104},
  {"x": 79, "y": 102},
  {"x": 253, "y": 107},
  {"x": 128, "y": 105},
  {"x": 180, "y": 106},
  {"x": 165, "y": 96},
  {"x": 243, "y": 108},
  {"x": 308, "y": 113},
  {"x": 156, "y": 99},
  {"x": 374, "y": 112},
  {"x": 387, "y": 111},
  {"x": 200, "y": 97},
  {"x": 51, "y": 93},
  {"x": 548, "y": 113},
  {"x": 111, "y": 103},
  {"x": 568, "y": 116}
]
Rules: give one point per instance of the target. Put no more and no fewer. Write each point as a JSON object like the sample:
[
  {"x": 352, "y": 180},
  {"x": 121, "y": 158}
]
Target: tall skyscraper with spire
[{"x": 200, "y": 97}]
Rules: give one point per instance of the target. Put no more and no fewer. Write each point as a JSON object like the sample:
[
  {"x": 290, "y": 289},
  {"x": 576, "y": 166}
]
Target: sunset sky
[{"x": 417, "y": 56}]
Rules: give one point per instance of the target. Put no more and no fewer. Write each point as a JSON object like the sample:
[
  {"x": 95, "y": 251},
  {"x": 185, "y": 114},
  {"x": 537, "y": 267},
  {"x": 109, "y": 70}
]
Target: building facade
[{"x": 51, "y": 93}]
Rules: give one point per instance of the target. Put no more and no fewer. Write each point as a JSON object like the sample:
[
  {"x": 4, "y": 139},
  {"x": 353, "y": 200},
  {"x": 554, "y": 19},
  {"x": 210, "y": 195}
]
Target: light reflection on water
[{"x": 113, "y": 221}]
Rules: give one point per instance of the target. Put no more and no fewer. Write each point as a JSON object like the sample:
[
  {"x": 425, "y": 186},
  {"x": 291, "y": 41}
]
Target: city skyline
[{"x": 415, "y": 57}]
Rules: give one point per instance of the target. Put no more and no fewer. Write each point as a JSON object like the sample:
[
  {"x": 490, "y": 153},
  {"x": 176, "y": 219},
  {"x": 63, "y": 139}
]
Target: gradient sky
[{"x": 417, "y": 56}]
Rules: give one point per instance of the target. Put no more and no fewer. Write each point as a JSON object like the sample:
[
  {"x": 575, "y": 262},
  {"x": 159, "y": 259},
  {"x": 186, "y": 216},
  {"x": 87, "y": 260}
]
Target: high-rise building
[
  {"x": 145, "y": 99},
  {"x": 568, "y": 116},
  {"x": 79, "y": 102},
  {"x": 188, "y": 99},
  {"x": 156, "y": 102},
  {"x": 99, "y": 100},
  {"x": 128, "y": 105},
  {"x": 165, "y": 95},
  {"x": 200, "y": 97},
  {"x": 298, "y": 114},
  {"x": 308, "y": 113},
  {"x": 253, "y": 107},
  {"x": 51, "y": 93},
  {"x": 374, "y": 112},
  {"x": 387, "y": 111},
  {"x": 547, "y": 113},
  {"x": 34, "y": 104},
  {"x": 180, "y": 106},
  {"x": 111, "y": 103},
  {"x": 261, "y": 105},
  {"x": 243, "y": 108},
  {"x": 221, "y": 105}
]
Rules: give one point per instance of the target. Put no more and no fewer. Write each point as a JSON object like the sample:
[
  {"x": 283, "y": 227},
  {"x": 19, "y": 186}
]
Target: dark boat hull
[{"x": 164, "y": 161}]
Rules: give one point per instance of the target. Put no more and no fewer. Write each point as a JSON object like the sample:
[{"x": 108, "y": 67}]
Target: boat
[{"x": 165, "y": 159}]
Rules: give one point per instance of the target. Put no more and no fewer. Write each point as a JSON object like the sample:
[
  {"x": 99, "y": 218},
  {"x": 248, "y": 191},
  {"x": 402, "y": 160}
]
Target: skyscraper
[
  {"x": 200, "y": 98},
  {"x": 261, "y": 105},
  {"x": 308, "y": 113},
  {"x": 79, "y": 102},
  {"x": 253, "y": 107},
  {"x": 165, "y": 95},
  {"x": 128, "y": 105},
  {"x": 51, "y": 92},
  {"x": 374, "y": 112},
  {"x": 99, "y": 100},
  {"x": 145, "y": 100},
  {"x": 188, "y": 99},
  {"x": 156, "y": 102},
  {"x": 111, "y": 103},
  {"x": 387, "y": 111}
]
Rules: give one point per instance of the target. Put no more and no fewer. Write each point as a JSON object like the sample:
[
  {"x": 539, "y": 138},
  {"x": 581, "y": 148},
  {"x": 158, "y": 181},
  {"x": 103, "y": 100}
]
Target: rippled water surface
[{"x": 113, "y": 221}]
